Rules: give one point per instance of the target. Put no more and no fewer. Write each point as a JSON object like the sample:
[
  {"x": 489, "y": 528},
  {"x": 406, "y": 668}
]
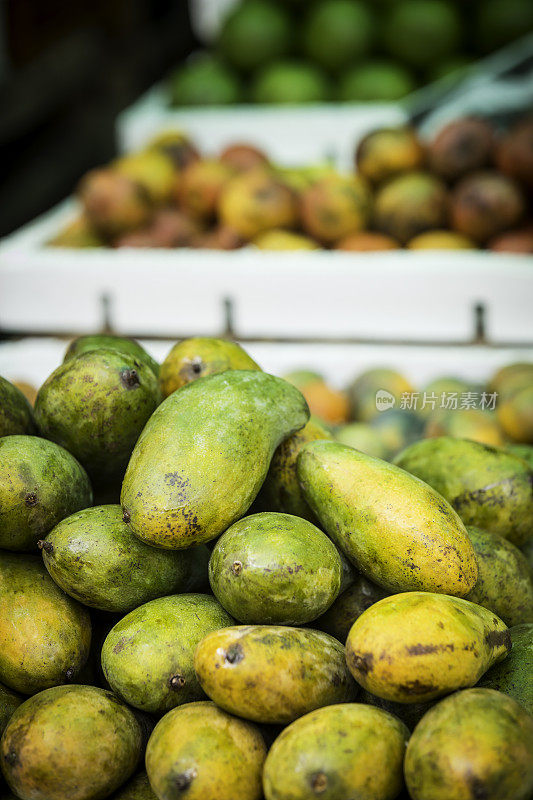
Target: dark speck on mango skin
[
  {"x": 489, "y": 488},
  {"x": 96, "y": 405}
]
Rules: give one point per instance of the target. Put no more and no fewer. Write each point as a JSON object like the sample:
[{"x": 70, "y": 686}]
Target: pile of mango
[
  {"x": 203, "y": 596},
  {"x": 498, "y": 413},
  {"x": 470, "y": 187},
  {"x": 293, "y": 51}
]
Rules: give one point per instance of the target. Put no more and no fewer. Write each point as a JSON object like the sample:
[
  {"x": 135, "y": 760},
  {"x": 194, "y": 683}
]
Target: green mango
[
  {"x": 474, "y": 744},
  {"x": 275, "y": 569},
  {"x": 397, "y": 530},
  {"x": 204, "y": 454},
  {"x": 147, "y": 657},
  {"x": 199, "y": 357},
  {"x": 96, "y": 405},
  {"x": 348, "y": 606},
  {"x": 9, "y": 701},
  {"x": 40, "y": 484},
  {"x": 361, "y": 436},
  {"x": 94, "y": 558},
  {"x": 524, "y": 451},
  {"x": 44, "y": 634},
  {"x": 199, "y": 752},
  {"x": 417, "y": 646},
  {"x": 16, "y": 414},
  {"x": 281, "y": 490},
  {"x": 514, "y": 675},
  {"x": 339, "y": 752},
  {"x": 271, "y": 673},
  {"x": 488, "y": 487},
  {"x": 504, "y": 583},
  {"x": 138, "y": 788},
  {"x": 70, "y": 743},
  {"x": 101, "y": 341}
]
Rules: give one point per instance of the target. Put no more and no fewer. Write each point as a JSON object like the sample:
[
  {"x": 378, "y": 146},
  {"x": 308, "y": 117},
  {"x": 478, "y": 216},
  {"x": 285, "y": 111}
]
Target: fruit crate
[{"x": 389, "y": 296}]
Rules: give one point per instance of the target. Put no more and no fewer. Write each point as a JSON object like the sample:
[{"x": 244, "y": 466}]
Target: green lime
[
  {"x": 422, "y": 32},
  {"x": 338, "y": 32},
  {"x": 380, "y": 81},
  {"x": 254, "y": 33},
  {"x": 290, "y": 82},
  {"x": 204, "y": 81}
]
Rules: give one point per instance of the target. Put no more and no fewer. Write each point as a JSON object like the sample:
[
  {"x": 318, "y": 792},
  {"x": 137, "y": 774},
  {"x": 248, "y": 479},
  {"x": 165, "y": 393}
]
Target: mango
[
  {"x": 147, "y": 657},
  {"x": 474, "y": 744},
  {"x": 76, "y": 234},
  {"x": 40, "y": 484},
  {"x": 363, "y": 391},
  {"x": 70, "y": 743},
  {"x": 275, "y": 569},
  {"x": 281, "y": 490},
  {"x": 514, "y": 675},
  {"x": 515, "y": 415},
  {"x": 278, "y": 239},
  {"x": 138, "y": 788},
  {"x": 511, "y": 378},
  {"x": 95, "y": 559},
  {"x": 257, "y": 201},
  {"x": 101, "y": 341},
  {"x": 410, "y": 204},
  {"x": 417, "y": 646},
  {"x": 204, "y": 454},
  {"x": 341, "y": 751},
  {"x": 386, "y": 152},
  {"x": 113, "y": 203},
  {"x": 361, "y": 436},
  {"x": 199, "y": 357},
  {"x": 199, "y": 187},
  {"x": 465, "y": 423},
  {"x": 272, "y": 674},
  {"x": 486, "y": 203},
  {"x": 397, "y": 531},
  {"x": 334, "y": 207},
  {"x": 339, "y": 618},
  {"x": 199, "y": 752},
  {"x": 440, "y": 240},
  {"x": 95, "y": 406},
  {"x": 44, "y": 634},
  {"x": 504, "y": 583},
  {"x": 9, "y": 702},
  {"x": 153, "y": 170},
  {"x": 397, "y": 427},
  {"x": 488, "y": 487},
  {"x": 16, "y": 414}
]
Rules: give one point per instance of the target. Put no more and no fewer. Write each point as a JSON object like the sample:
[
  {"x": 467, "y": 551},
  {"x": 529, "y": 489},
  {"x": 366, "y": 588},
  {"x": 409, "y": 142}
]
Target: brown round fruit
[
  {"x": 486, "y": 203},
  {"x": 113, "y": 203},
  {"x": 462, "y": 146},
  {"x": 257, "y": 201},
  {"x": 514, "y": 153},
  {"x": 243, "y": 157},
  {"x": 200, "y": 185},
  {"x": 519, "y": 241}
]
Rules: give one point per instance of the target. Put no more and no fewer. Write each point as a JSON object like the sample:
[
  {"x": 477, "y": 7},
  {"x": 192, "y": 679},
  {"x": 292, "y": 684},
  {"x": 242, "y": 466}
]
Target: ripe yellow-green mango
[
  {"x": 363, "y": 390},
  {"x": 70, "y": 743},
  {"x": 199, "y": 752},
  {"x": 514, "y": 675},
  {"x": 504, "y": 583},
  {"x": 270, "y": 673},
  {"x": 16, "y": 414},
  {"x": 204, "y": 454},
  {"x": 275, "y": 569},
  {"x": 94, "y": 558},
  {"x": 474, "y": 744},
  {"x": 363, "y": 437},
  {"x": 147, "y": 657},
  {"x": 105, "y": 341},
  {"x": 41, "y": 483},
  {"x": 338, "y": 752},
  {"x": 417, "y": 646},
  {"x": 281, "y": 490},
  {"x": 515, "y": 415},
  {"x": 488, "y": 487},
  {"x": 396, "y": 529},
  {"x": 348, "y": 606},
  {"x": 44, "y": 634},
  {"x": 199, "y": 357}
]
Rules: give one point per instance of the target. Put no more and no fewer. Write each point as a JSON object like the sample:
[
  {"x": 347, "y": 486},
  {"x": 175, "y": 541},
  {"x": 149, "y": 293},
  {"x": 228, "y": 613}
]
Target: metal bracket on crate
[{"x": 479, "y": 336}]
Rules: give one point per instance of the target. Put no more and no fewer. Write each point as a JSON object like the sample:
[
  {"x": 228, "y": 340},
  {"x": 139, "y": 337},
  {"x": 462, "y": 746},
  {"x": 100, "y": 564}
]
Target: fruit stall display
[
  {"x": 343, "y": 50},
  {"x": 213, "y": 586}
]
